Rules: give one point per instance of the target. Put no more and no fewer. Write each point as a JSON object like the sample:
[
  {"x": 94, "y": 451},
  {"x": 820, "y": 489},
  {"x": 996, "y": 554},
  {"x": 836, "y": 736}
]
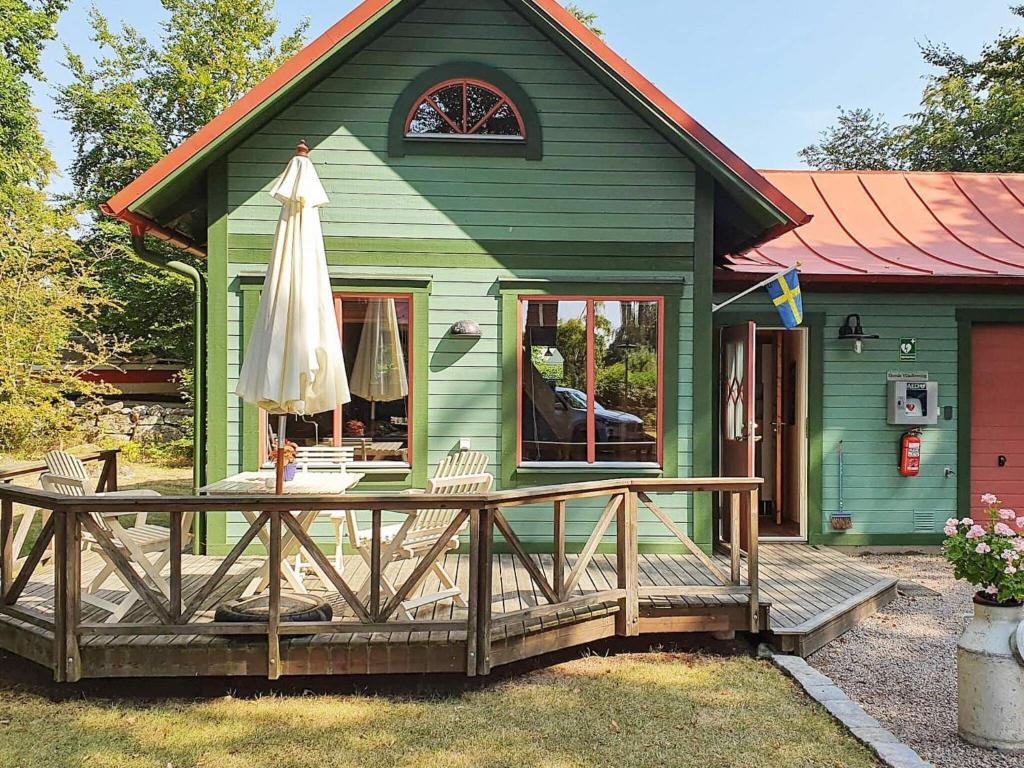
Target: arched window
[{"x": 465, "y": 109}]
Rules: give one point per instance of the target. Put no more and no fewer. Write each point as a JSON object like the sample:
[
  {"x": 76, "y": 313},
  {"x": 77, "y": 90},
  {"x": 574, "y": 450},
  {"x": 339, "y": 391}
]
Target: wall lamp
[
  {"x": 465, "y": 329},
  {"x": 852, "y": 330}
]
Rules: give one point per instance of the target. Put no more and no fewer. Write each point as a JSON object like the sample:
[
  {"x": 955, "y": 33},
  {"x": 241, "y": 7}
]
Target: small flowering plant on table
[{"x": 989, "y": 553}]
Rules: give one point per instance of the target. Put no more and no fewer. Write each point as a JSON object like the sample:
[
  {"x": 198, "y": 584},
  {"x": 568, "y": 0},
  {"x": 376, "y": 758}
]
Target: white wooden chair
[
  {"x": 58, "y": 463},
  {"x": 461, "y": 473},
  {"x": 148, "y": 546},
  {"x": 65, "y": 465},
  {"x": 321, "y": 457}
]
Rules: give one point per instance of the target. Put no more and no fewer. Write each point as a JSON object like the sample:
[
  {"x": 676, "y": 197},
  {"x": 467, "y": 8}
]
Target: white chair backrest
[
  {"x": 67, "y": 486},
  {"x": 322, "y": 457},
  {"x": 464, "y": 472},
  {"x": 65, "y": 465}
]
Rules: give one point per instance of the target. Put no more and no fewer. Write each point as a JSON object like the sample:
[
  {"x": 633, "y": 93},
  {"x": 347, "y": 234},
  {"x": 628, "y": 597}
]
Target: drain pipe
[{"x": 199, "y": 374}]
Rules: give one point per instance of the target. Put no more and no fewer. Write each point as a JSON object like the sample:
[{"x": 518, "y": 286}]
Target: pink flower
[
  {"x": 1002, "y": 529},
  {"x": 952, "y": 522},
  {"x": 1020, "y": 522},
  {"x": 950, "y": 530},
  {"x": 991, "y": 589},
  {"x": 983, "y": 548},
  {"x": 967, "y": 521},
  {"x": 1008, "y": 555},
  {"x": 988, "y": 499},
  {"x": 1018, "y": 545},
  {"x": 1007, "y": 514},
  {"x": 1010, "y": 570},
  {"x": 976, "y": 532}
]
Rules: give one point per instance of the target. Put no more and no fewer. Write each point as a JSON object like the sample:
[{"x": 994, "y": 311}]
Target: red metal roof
[
  {"x": 877, "y": 226},
  {"x": 366, "y": 12}
]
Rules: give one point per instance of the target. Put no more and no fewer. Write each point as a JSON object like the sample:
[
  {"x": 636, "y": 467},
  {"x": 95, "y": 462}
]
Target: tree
[
  {"x": 971, "y": 118},
  {"x": 24, "y": 28},
  {"x": 587, "y": 18},
  {"x": 134, "y": 103},
  {"x": 47, "y": 294},
  {"x": 860, "y": 139}
]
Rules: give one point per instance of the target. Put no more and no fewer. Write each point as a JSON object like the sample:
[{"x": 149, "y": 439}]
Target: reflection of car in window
[{"x": 611, "y": 425}]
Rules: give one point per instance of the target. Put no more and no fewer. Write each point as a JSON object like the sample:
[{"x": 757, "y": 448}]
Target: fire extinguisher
[{"x": 910, "y": 454}]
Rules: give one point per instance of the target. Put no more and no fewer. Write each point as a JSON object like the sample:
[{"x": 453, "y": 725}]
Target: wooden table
[{"x": 304, "y": 484}]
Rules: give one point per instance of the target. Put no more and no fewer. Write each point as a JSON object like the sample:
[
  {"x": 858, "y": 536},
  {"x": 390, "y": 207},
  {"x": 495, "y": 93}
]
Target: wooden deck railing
[
  {"x": 107, "y": 480},
  {"x": 274, "y": 522}
]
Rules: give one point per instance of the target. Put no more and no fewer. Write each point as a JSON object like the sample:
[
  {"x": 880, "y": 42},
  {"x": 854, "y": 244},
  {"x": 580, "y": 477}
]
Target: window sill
[{"x": 603, "y": 469}]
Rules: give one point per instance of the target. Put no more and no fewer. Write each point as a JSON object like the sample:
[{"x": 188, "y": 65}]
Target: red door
[
  {"x": 738, "y": 427},
  {"x": 997, "y": 415}
]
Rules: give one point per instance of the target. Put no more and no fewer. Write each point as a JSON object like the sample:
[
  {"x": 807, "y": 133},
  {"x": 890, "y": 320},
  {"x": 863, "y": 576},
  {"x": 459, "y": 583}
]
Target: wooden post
[
  {"x": 175, "y": 545},
  {"x": 483, "y": 609},
  {"x": 559, "y": 536},
  {"x": 67, "y": 663},
  {"x": 6, "y": 548},
  {"x": 627, "y": 621},
  {"x": 752, "y": 565},
  {"x": 473, "y": 607},
  {"x": 735, "y": 544},
  {"x": 108, "y": 475},
  {"x": 274, "y": 614},
  {"x": 375, "y": 566}
]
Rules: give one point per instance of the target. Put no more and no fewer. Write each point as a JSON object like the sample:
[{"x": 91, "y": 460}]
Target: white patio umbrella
[
  {"x": 294, "y": 362},
  {"x": 378, "y": 374}
]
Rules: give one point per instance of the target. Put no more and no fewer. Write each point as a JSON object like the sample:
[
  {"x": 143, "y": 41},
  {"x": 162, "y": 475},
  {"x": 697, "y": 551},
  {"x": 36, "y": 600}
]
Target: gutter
[{"x": 140, "y": 227}]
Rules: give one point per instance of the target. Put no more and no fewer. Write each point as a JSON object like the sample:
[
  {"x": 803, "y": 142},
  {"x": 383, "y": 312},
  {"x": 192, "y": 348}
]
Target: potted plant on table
[
  {"x": 290, "y": 452},
  {"x": 989, "y": 553}
]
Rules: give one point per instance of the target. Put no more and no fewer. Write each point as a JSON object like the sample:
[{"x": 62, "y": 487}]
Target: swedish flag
[{"x": 785, "y": 293}]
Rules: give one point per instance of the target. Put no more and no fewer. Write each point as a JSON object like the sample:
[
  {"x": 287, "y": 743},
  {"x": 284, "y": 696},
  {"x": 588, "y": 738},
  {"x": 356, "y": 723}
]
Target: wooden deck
[{"x": 814, "y": 595}]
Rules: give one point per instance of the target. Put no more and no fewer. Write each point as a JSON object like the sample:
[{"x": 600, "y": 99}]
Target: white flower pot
[{"x": 990, "y": 679}]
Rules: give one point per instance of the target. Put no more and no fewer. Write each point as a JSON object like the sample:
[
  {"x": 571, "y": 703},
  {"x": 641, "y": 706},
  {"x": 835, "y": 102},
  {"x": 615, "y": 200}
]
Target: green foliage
[
  {"x": 587, "y": 18},
  {"x": 47, "y": 295},
  {"x": 135, "y": 102},
  {"x": 988, "y": 554},
  {"x": 174, "y": 453},
  {"x": 971, "y": 118},
  {"x": 860, "y": 139},
  {"x": 25, "y": 27}
]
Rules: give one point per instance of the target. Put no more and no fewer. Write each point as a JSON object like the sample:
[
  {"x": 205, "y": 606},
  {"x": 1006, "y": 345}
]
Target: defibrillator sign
[{"x": 908, "y": 350}]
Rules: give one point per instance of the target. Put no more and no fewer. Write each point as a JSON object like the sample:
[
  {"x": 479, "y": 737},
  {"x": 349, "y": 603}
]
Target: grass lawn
[{"x": 658, "y": 709}]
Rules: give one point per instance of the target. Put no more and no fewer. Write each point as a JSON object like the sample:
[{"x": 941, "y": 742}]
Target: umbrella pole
[{"x": 282, "y": 420}]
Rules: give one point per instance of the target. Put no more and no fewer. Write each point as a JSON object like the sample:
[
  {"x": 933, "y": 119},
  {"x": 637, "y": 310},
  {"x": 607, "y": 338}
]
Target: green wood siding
[
  {"x": 609, "y": 192},
  {"x": 853, "y": 401},
  {"x": 605, "y": 173},
  {"x": 466, "y": 382}
]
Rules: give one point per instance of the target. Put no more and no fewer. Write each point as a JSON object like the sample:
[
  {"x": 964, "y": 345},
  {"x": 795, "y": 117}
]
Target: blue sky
[{"x": 765, "y": 77}]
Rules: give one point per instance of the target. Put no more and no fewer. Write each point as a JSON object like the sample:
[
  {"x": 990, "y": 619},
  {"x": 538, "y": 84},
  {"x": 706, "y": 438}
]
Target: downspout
[{"x": 199, "y": 373}]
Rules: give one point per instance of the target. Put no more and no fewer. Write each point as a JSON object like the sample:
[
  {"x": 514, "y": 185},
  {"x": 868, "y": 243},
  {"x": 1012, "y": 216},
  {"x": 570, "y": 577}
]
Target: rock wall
[{"x": 139, "y": 422}]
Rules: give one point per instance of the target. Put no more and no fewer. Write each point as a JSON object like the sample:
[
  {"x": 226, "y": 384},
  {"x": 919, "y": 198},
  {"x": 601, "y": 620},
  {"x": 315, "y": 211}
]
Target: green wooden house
[{"x": 531, "y": 234}]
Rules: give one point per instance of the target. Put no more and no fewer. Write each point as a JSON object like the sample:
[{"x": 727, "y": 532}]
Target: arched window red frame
[{"x": 465, "y": 108}]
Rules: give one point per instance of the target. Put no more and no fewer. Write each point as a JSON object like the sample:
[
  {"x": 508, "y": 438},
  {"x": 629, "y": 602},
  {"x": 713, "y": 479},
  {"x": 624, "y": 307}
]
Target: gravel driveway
[{"x": 900, "y": 664}]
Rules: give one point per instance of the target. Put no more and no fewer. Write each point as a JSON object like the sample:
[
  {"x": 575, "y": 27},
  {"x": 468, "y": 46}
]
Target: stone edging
[{"x": 868, "y": 731}]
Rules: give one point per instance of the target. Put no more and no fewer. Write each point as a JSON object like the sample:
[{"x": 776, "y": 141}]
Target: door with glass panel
[{"x": 738, "y": 433}]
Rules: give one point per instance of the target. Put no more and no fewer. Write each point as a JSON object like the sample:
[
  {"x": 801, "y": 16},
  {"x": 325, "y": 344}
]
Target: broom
[{"x": 841, "y": 520}]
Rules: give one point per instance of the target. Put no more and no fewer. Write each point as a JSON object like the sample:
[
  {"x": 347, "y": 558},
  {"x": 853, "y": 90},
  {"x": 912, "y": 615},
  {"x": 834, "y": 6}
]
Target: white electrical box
[{"x": 913, "y": 403}]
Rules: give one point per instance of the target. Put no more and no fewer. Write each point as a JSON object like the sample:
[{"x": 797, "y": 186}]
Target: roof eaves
[
  {"x": 217, "y": 130},
  {"x": 792, "y": 214},
  {"x": 787, "y": 214}
]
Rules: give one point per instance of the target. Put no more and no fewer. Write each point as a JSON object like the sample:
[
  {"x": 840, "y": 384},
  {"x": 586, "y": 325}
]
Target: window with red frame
[
  {"x": 465, "y": 109},
  {"x": 375, "y": 339},
  {"x": 590, "y": 380}
]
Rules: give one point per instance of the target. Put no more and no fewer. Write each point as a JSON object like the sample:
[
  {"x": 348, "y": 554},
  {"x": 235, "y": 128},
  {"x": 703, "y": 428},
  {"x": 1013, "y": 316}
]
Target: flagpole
[{"x": 762, "y": 284}]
